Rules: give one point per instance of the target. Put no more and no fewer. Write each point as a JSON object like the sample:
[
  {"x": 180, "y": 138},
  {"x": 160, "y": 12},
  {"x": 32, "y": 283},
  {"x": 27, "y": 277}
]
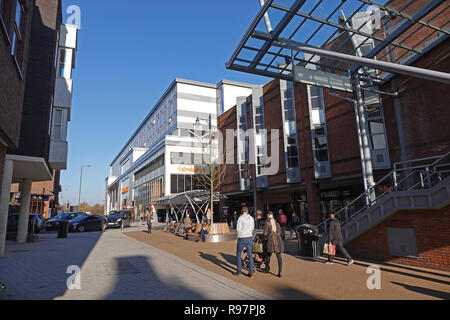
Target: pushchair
[{"x": 259, "y": 253}]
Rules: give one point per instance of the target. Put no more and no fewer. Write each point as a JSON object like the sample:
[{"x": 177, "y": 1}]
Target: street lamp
[{"x": 81, "y": 181}]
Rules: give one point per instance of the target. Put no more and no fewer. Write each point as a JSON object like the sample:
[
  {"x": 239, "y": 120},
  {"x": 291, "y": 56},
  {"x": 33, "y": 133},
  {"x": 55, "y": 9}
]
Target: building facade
[
  {"x": 166, "y": 154},
  {"x": 42, "y": 51},
  {"x": 320, "y": 163}
]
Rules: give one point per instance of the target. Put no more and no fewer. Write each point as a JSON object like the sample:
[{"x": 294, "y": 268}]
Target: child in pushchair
[{"x": 259, "y": 253}]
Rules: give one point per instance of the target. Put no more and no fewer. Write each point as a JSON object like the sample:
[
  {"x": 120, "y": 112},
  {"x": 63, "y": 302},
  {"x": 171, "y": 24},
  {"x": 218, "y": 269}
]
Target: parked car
[
  {"x": 53, "y": 224},
  {"x": 87, "y": 222},
  {"x": 34, "y": 223},
  {"x": 115, "y": 219}
]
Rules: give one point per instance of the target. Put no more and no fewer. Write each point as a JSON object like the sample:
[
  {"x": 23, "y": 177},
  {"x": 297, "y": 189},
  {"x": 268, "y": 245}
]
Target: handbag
[
  {"x": 258, "y": 247},
  {"x": 329, "y": 249}
]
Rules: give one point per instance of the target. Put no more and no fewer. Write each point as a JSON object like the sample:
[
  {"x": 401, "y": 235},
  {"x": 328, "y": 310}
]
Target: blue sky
[{"x": 128, "y": 54}]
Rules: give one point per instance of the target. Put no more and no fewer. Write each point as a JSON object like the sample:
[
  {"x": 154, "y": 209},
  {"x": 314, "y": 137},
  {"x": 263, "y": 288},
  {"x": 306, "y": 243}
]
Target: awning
[
  {"x": 195, "y": 196},
  {"x": 32, "y": 168}
]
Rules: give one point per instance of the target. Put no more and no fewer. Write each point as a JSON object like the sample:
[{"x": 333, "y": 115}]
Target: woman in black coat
[{"x": 274, "y": 243}]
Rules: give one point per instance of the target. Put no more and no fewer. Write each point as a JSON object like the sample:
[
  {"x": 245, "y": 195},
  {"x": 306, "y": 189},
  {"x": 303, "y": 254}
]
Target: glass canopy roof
[{"x": 397, "y": 31}]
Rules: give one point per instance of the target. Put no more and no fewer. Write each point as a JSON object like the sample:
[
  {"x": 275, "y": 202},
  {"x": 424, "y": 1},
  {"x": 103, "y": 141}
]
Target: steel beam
[
  {"x": 359, "y": 61},
  {"x": 401, "y": 30},
  {"x": 250, "y": 30},
  {"x": 278, "y": 30}
]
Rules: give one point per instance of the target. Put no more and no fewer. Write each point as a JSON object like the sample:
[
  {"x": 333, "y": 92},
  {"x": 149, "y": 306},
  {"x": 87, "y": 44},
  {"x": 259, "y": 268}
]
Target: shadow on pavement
[
  {"x": 136, "y": 280},
  {"x": 386, "y": 268},
  {"x": 425, "y": 291},
  {"x": 38, "y": 271},
  {"x": 227, "y": 266},
  {"x": 281, "y": 291}
]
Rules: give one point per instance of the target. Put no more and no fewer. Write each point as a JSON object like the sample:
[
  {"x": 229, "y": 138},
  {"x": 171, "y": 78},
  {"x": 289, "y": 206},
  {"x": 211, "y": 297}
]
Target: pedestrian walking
[
  {"x": 259, "y": 219},
  {"x": 245, "y": 228},
  {"x": 209, "y": 216},
  {"x": 282, "y": 220},
  {"x": 149, "y": 221},
  {"x": 336, "y": 239},
  {"x": 187, "y": 226},
  {"x": 274, "y": 244},
  {"x": 235, "y": 219},
  {"x": 295, "y": 223}
]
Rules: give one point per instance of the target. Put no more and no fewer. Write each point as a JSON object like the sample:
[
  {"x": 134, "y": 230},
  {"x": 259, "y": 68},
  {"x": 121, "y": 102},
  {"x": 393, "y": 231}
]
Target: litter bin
[
  {"x": 308, "y": 241},
  {"x": 63, "y": 229}
]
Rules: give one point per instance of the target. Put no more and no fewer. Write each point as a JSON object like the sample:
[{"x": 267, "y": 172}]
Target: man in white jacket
[{"x": 245, "y": 228}]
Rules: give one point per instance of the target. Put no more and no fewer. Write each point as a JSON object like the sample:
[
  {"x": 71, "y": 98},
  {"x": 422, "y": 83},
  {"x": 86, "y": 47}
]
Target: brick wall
[
  {"x": 228, "y": 121},
  {"x": 433, "y": 239},
  {"x": 12, "y": 85},
  {"x": 424, "y": 110},
  {"x": 34, "y": 136}
]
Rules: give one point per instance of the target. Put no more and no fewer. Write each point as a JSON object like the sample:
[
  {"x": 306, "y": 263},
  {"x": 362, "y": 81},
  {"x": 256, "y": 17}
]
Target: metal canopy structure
[
  {"x": 198, "y": 200},
  {"x": 348, "y": 45},
  {"x": 339, "y": 38}
]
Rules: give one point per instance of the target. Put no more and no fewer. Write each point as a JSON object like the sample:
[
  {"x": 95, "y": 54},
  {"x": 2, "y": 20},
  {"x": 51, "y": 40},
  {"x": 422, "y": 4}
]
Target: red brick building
[
  {"x": 410, "y": 125},
  {"x": 37, "y": 54}
]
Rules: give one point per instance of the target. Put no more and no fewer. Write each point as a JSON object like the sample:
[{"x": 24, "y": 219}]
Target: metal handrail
[{"x": 429, "y": 170}]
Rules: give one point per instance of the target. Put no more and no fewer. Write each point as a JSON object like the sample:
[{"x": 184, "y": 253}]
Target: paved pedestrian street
[
  {"x": 310, "y": 279},
  {"x": 135, "y": 265},
  {"x": 113, "y": 267}
]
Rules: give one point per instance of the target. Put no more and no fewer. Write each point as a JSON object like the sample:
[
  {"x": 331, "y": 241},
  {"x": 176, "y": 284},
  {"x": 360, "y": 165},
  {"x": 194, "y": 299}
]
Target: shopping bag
[{"x": 329, "y": 249}]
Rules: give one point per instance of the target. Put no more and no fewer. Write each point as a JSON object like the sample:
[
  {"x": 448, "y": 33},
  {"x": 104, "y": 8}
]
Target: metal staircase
[{"x": 412, "y": 185}]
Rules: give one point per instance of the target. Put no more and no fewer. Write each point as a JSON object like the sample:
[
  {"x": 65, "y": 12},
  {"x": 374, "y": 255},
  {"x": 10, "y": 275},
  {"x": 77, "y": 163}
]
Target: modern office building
[
  {"x": 38, "y": 55},
  {"x": 162, "y": 157}
]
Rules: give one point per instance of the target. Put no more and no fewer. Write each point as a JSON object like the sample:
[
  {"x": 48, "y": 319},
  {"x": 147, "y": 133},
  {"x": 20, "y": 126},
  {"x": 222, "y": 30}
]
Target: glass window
[
  {"x": 17, "y": 30},
  {"x": 318, "y": 117},
  {"x": 1, "y": 8},
  {"x": 173, "y": 184},
  {"x": 293, "y": 162},
  {"x": 188, "y": 183},
  {"x": 376, "y": 126},
  {"x": 322, "y": 155},
  {"x": 181, "y": 184},
  {"x": 57, "y": 124},
  {"x": 379, "y": 141}
]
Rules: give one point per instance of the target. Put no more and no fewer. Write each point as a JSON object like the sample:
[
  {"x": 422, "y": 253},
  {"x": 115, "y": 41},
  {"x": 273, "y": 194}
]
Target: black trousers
[
  {"x": 280, "y": 262},
  {"x": 340, "y": 247},
  {"x": 283, "y": 232}
]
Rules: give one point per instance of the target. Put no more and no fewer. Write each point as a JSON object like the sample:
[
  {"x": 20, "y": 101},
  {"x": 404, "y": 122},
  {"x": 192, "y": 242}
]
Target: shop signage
[
  {"x": 191, "y": 170},
  {"x": 335, "y": 194},
  {"x": 125, "y": 190}
]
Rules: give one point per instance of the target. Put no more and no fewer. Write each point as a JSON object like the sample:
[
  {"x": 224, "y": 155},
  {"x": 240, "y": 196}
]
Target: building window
[
  {"x": 290, "y": 132},
  {"x": 62, "y": 64},
  {"x": 57, "y": 124},
  {"x": 17, "y": 32},
  {"x": 319, "y": 133}
]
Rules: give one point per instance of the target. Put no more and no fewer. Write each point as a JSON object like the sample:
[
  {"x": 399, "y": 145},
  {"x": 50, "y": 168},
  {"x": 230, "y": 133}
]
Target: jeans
[
  {"x": 340, "y": 247},
  {"x": 292, "y": 231},
  {"x": 245, "y": 243},
  {"x": 187, "y": 230}
]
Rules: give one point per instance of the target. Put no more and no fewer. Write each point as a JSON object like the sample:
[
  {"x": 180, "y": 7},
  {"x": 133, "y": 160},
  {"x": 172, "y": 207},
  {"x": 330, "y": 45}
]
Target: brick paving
[
  {"x": 113, "y": 267},
  {"x": 311, "y": 279}
]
